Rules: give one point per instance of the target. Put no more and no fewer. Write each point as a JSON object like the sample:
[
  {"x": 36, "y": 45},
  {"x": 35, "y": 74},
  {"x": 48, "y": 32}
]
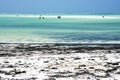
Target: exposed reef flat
[{"x": 59, "y": 62}]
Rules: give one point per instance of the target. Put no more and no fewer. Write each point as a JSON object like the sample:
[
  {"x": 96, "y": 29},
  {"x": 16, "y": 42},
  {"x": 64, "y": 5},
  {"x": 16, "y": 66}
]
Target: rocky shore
[{"x": 59, "y": 62}]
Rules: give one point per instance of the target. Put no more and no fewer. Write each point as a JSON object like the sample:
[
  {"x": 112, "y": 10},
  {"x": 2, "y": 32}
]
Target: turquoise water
[{"x": 33, "y": 29}]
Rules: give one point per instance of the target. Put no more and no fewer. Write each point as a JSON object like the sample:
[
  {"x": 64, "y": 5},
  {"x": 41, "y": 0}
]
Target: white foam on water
[{"x": 62, "y": 16}]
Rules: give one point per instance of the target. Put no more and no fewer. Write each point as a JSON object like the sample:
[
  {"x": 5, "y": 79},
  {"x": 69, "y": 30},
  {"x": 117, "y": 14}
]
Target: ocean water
[{"x": 68, "y": 29}]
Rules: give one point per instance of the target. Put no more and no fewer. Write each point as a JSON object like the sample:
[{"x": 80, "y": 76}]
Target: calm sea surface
[{"x": 81, "y": 30}]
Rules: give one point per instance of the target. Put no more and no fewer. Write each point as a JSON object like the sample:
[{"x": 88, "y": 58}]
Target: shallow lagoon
[{"x": 70, "y": 28}]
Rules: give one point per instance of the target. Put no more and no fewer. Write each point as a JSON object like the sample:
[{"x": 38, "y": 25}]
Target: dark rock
[
  {"x": 4, "y": 72},
  {"x": 54, "y": 68},
  {"x": 7, "y": 54},
  {"x": 91, "y": 68},
  {"x": 15, "y": 72},
  {"x": 12, "y": 72},
  {"x": 62, "y": 74},
  {"x": 117, "y": 51},
  {"x": 33, "y": 78},
  {"x": 81, "y": 66},
  {"x": 6, "y": 62},
  {"x": 60, "y": 53},
  {"x": 61, "y": 58},
  {"x": 109, "y": 51},
  {"x": 10, "y": 66},
  {"x": 117, "y": 63},
  {"x": 42, "y": 70},
  {"x": 113, "y": 69},
  {"x": 77, "y": 58},
  {"x": 100, "y": 73},
  {"x": 88, "y": 77},
  {"x": 50, "y": 78},
  {"x": 81, "y": 72},
  {"x": 46, "y": 61},
  {"x": 117, "y": 73}
]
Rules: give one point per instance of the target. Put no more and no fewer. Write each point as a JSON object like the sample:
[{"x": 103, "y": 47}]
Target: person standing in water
[{"x": 103, "y": 16}]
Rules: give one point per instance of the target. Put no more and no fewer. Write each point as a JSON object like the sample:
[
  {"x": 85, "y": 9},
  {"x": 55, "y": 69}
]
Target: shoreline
[{"x": 70, "y": 44}]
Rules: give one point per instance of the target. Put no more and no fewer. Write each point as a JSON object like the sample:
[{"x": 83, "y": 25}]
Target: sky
[{"x": 59, "y": 6}]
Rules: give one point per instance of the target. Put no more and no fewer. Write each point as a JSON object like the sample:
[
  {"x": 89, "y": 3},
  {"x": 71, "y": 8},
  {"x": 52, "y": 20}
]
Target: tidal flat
[{"x": 20, "y": 61}]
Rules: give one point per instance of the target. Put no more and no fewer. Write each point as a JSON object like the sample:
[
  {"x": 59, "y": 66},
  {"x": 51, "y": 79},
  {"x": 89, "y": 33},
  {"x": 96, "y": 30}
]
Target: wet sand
[{"x": 59, "y": 62}]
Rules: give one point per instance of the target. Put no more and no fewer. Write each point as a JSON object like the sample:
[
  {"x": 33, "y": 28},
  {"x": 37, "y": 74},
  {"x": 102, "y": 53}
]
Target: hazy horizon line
[{"x": 67, "y": 13}]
